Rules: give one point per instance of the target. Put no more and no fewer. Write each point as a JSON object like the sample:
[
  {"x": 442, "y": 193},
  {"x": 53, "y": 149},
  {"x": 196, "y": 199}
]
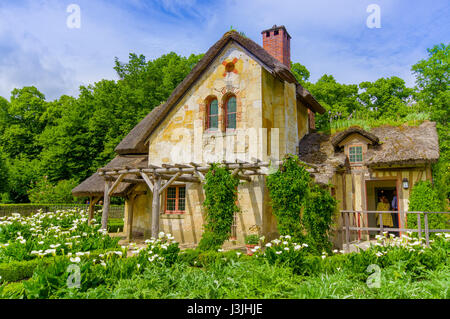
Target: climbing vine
[
  {"x": 318, "y": 218},
  {"x": 303, "y": 210},
  {"x": 220, "y": 205}
]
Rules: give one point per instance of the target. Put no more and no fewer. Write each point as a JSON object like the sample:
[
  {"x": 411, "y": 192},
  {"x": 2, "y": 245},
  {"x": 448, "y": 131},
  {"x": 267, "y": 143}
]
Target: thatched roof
[
  {"x": 95, "y": 184},
  {"x": 339, "y": 137},
  {"x": 400, "y": 146},
  {"x": 133, "y": 143}
]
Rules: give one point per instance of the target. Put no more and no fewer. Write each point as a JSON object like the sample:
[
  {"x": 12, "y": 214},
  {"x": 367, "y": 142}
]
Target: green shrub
[
  {"x": 44, "y": 192},
  {"x": 425, "y": 198},
  {"x": 303, "y": 210},
  {"x": 115, "y": 225},
  {"x": 317, "y": 218},
  {"x": 288, "y": 188},
  {"x": 252, "y": 239},
  {"x": 220, "y": 205}
]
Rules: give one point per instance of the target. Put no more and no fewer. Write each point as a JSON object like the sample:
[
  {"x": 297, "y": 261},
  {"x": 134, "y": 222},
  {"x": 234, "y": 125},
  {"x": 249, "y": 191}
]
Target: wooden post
[
  {"x": 155, "y": 207},
  {"x": 347, "y": 231},
  {"x": 92, "y": 202},
  {"x": 427, "y": 230},
  {"x": 419, "y": 225},
  {"x": 106, "y": 201},
  {"x": 381, "y": 223},
  {"x": 130, "y": 217}
]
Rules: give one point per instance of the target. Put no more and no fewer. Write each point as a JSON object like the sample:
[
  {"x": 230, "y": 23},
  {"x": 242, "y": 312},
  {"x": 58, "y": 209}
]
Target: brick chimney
[{"x": 277, "y": 42}]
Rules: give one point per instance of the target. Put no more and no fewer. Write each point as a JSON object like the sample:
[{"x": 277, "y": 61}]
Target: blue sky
[{"x": 328, "y": 36}]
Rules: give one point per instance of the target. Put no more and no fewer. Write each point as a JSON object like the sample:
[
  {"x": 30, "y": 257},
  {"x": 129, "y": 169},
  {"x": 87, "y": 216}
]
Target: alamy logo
[
  {"x": 74, "y": 279},
  {"x": 374, "y": 280},
  {"x": 74, "y": 19},
  {"x": 374, "y": 19}
]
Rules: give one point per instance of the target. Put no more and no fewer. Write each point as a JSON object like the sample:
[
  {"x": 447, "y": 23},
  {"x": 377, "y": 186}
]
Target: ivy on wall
[
  {"x": 220, "y": 205},
  {"x": 303, "y": 210}
]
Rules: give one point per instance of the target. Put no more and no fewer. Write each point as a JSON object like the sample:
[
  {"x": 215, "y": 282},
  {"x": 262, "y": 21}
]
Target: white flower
[
  {"x": 286, "y": 248},
  {"x": 75, "y": 260},
  {"x": 285, "y": 243},
  {"x": 278, "y": 252},
  {"x": 268, "y": 245},
  {"x": 220, "y": 250},
  {"x": 297, "y": 247}
]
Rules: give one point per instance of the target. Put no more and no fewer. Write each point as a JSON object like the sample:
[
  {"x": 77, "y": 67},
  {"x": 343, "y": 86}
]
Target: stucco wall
[{"x": 182, "y": 138}]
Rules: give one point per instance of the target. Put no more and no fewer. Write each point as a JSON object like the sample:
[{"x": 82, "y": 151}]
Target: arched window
[
  {"x": 230, "y": 113},
  {"x": 212, "y": 120}
]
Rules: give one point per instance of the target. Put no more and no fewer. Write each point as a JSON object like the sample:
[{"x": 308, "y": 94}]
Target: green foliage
[
  {"x": 70, "y": 138},
  {"x": 300, "y": 72},
  {"x": 339, "y": 100},
  {"x": 386, "y": 97},
  {"x": 220, "y": 205},
  {"x": 252, "y": 239},
  {"x": 425, "y": 198},
  {"x": 115, "y": 225},
  {"x": 288, "y": 188},
  {"x": 317, "y": 218},
  {"x": 303, "y": 210},
  {"x": 44, "y": 192}
]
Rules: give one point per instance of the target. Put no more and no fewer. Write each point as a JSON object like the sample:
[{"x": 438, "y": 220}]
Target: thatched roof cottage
[{"x": 241, "y": 105}]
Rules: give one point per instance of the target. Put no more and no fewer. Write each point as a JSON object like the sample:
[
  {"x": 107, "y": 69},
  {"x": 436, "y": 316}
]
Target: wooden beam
[
  {"x": 106, "y": 201},
  {"x": 170, "y": 181},
  {"x": 155, "y": 207},
  {"x": 116, "y": 184},
  {"x": 147, "y": 181},
  {"x": 92, "y": 202},
  {"x": 200, "y": 176}
]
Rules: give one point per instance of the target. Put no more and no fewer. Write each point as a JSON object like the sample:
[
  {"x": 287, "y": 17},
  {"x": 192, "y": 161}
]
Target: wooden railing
[{"x": 348, "y": 228}]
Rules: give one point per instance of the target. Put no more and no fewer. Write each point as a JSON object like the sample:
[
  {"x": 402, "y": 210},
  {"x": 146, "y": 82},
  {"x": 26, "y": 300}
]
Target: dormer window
[{"x": 355, "y": 154}]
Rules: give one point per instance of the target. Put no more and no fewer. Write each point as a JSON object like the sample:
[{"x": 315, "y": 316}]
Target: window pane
[
  {"x": 213, "y": 122},
  {"x": 181, "y": 204},
  {"x": 213, "y": 108},
  {"x": 171, "y": 204},
  {"x": 171, "y": 192},
  {"x": 231, "y": 120},
  {"x": 182, "y": 192},
  {"x": 231, "y": 105}
]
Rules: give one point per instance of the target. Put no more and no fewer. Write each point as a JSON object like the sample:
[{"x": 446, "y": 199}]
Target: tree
[
  {"x": 339, "y": 100},
  {"x": 432, "y": 74},
  {"x": 22, "y": 122},
  {"x": 432, "y": 80},
  {"x": 300, "y": 72},
  {"x": 386, "y": 97}
]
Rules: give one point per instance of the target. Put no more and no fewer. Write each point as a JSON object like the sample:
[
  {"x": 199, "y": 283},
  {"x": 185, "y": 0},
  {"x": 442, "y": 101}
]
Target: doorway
[{"x": 375, "y": 189}]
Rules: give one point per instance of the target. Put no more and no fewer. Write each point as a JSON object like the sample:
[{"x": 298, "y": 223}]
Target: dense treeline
[{"x": 51, "y": 146}]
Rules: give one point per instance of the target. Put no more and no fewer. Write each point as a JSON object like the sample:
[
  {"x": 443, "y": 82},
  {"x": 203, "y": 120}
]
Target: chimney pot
[{"x": 278, "y": 46}]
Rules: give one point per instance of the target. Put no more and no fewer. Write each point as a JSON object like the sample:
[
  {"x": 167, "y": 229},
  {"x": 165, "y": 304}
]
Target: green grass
[
  {"x": 259, "y": 280},
  {"x": 412, "y": 119}
]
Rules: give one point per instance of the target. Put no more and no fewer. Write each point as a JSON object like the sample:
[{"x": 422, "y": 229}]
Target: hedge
[
  {"x": 20, "y": 270},
  {"x": 116, "y": 211}
]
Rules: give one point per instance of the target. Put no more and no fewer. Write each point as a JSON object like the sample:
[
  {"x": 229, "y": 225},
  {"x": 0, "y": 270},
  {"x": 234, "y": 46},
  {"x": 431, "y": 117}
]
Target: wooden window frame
[
  {"x": 362, "y": 154},
  {"x": 226, "y": 113},
  {"x": 177, "y": 200},
  {"x": 208, "y": 116}
]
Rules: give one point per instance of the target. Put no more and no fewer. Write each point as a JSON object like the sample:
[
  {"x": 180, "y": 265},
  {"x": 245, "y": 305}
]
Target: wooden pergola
[{"x": 159, "y": 178}]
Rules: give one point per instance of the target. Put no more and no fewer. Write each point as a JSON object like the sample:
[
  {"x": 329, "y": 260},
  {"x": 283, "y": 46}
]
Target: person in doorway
[{"x": 383, "y": 206}]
